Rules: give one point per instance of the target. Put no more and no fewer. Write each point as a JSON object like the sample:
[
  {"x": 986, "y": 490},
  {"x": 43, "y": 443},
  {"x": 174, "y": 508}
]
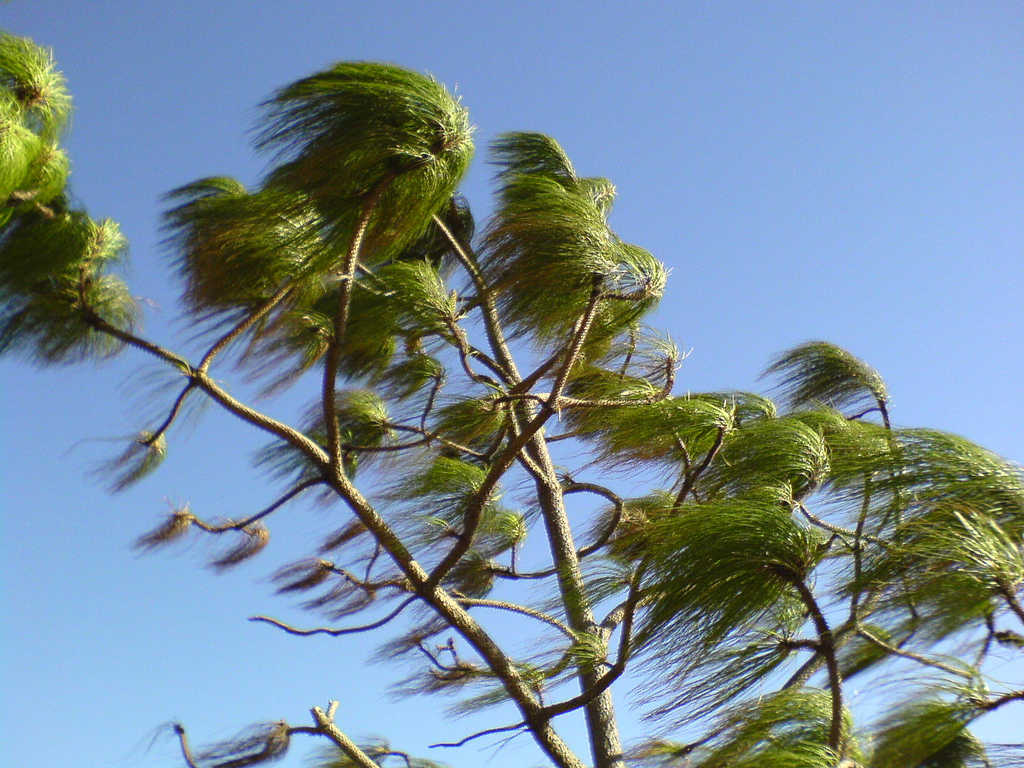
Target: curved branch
[
  {"x": 233, "y": 526},
  {"x": 332, "y": 359},
  {"x": 246, "y": 323},
  {"x": 186, "y": 751},
  {"x": 893, "y": 650},
  {"x": 516, "y": 608},
  {"x": 334, "y": 632},
  {"x": 478, "y": 734},
  {"x": 175, "y": 409}
]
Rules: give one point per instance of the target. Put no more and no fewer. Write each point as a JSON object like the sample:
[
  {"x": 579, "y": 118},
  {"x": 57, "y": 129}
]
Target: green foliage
[
  {"x": 237, "y": 249},
  {"x": 551, "y": 229},
  {"x": 361, "y": 128},
  {"x": 784, "y": 730},
  {"x": 28, "y": 72},
  {"x": 719, "y": 566},
  {"x": 54, "y": 262},
  {"x": 819, "y": 373},
  {"x": 929, "y": 733}
]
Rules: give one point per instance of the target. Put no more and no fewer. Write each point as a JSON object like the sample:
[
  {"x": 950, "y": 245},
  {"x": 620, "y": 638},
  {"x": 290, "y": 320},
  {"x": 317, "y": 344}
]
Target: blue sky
[{"x": 853, "y": 172}]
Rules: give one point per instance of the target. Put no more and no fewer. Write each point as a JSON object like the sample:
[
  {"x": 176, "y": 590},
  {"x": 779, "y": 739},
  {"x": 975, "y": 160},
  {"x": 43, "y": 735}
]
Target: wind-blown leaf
[
  {"x": 551, "y": 229},
  {"x": 928, "y": 733},
  {"x": 717, "y": 567},
  {"x": 29, "y": 73},
  {"x": 362, "y": 129},
  {"x": 819, "y": 373}
]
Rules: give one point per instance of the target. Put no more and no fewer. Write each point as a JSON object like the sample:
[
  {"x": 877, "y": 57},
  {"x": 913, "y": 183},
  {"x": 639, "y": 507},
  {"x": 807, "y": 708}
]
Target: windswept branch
[
  {"x": 244, "y": 325},
  {"x": 179, "y": 401},
  {"x": 694, "y": 475},
  {"x": 894, "y": 651},
  {"x": 333, "y": 356},
  {"x": 516, "y": 608},
  {"x": 480, "y": 734},
  {"x": 335, "y": 632}
]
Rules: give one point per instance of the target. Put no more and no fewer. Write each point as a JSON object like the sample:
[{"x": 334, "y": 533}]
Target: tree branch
[
  {"x": 332, "y": 631},
  {"x": 326, "y": 726},
  {"x": 479, "y": 734},
  {"x": 516, "y": 608},
  {"x": 692, "y": 477},
  {"x": 347, "y": 280},
  {"x": 245, "y": 324},
  {"x": 893, "y": 650}
]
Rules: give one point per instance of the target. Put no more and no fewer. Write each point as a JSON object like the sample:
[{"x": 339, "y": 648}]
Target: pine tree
[{"x": 783, "y": 549}]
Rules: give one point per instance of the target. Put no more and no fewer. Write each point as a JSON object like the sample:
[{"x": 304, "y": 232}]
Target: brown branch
[
  {"x": 692, "y": 477},
  {"x": 893, "y": 650},
  {"x": 616, "y": 669},
  {"x": 1011, "y": 599},
  {"x": 241, "y": 525},
  {"x": 827, "y": 649},
  {"x": 326, "y": 726},
  {"x": 492, "y": 325},
  {"x": 571, "y": 486},
  {"x": 332, "y": 631},
  {"x": 479, "y": 734},
  {"x": 186, "y": 751},
  {"x": 516, "y": 608},
  {"x": 246, "y": 323},
  {"x": 175, "y": 409},
  {"x": 332, "y": 359}
]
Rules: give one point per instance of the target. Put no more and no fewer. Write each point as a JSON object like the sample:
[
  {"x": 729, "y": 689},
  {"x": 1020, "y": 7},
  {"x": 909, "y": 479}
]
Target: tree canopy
[{"x": 468, "y": 387}]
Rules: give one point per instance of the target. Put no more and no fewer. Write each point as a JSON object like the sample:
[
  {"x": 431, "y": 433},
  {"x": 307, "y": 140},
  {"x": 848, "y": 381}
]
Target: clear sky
[{"x": 846, "y": 171}]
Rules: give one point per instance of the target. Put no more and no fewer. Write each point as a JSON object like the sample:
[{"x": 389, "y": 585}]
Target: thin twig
[
  {"x": 332, "y": 631},
  {"x": 879, "y": 643},
  {"x": 186, "y": 751},
  {"x": 479, "y": 734},
  {"x": 241, "y": 525},
  {"x": 516, "y": 608},
  {"x": 175, "y": 409},
  {"x": 692, "y": 477},
  {"x": 246, "y": 323}
]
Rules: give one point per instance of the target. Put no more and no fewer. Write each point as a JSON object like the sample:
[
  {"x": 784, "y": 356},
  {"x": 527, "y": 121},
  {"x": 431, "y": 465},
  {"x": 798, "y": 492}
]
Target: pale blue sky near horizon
[{"x": 846, "y": 171}]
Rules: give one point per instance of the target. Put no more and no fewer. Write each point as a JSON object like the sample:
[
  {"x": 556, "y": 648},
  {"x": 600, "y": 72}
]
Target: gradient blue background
[{"x": 847, "y": 171}]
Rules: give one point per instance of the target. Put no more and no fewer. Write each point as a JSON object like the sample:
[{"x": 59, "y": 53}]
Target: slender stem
[
  {"x": 879, "y": 643},
  {"x": 175, "y": 409},
  {"x": 260, "y": 420},
  {"x": 475, "y": 507},
  {"x": 516, "y": 608},
  {"x": 347, "y": 281},
  {"x": 1011, "y": 600},
  {"x": 479, "y": 734},
  {"x": 270, "y": 509},
  {"x": 492, "y": 325},
  {"x": 132, "y": 340},
  {"x": 333, "y": 631},
  {"x": 246, "y": 323},
  {"x": 826, "y": 643},
  {"x": 186, "y": 751},
  {"x": 692, "y": 477},
  {"x": 604, "y": 682}
]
